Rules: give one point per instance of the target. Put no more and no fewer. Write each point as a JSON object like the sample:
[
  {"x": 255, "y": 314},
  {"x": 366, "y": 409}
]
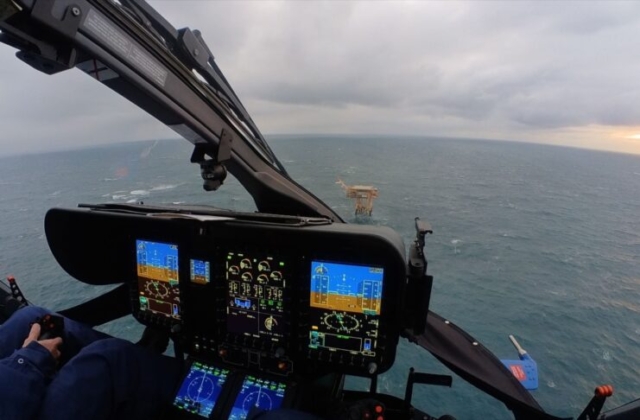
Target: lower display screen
[
  {"x": 200, "y": 389},
  {"x": 257, "y": 394}
]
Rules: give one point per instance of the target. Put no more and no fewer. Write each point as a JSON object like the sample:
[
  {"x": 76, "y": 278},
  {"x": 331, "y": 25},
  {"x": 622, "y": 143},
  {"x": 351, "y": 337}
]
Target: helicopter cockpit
[
  {"x": 262, "y": 307},
  {"x": 266, "y": 310}
]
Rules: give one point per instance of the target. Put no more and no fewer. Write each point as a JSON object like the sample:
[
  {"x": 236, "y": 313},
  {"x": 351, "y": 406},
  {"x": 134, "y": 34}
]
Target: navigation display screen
[
  {"x": 157, "y": 266},
  {"x": 257, "y": 393},
  {"x": 200, "y": 272},
  {"x": 200, "y": 389},
  {"x": 345, "y": 307},
  {"x": 255, "y": 295}
]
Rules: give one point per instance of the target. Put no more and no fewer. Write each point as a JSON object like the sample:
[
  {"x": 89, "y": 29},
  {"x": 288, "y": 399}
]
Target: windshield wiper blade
[
  {"x": 152, "y": 21},
  {"x": 191, "y": 49},
  {"x": 115, "y": 46},
  {"x": 197, "y": 54}
]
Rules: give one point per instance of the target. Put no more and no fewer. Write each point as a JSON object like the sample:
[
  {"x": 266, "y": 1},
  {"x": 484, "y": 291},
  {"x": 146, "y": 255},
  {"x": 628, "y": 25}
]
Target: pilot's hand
[{"x": 52, "y": 344}]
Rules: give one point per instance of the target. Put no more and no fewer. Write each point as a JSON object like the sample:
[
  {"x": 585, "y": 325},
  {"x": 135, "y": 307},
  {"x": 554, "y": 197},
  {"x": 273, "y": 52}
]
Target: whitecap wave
[
  {"x": 110, "y": 179},
  {"x": 163, "y": 187},
  {"x": 133, "y": 200},
  {"x": 139, "y": 192},
  {"x": 146, "y": 152}
]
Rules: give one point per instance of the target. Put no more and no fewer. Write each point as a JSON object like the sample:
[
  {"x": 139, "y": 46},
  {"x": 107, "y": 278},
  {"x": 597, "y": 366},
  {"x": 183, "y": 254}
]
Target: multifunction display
[
  {"x": 200, "y": 272},
  {"x": 157, "y": 266},
  {"x": 345, "y": 307},
  {"x": 261, "y": 394},
  {"x": 256, "y": 287},
  {"x": 200, "y": 389}
]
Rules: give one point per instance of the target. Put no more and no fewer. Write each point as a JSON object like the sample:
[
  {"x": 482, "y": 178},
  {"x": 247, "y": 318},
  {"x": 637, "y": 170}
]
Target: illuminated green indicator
[{"x": 281, "y": 264}]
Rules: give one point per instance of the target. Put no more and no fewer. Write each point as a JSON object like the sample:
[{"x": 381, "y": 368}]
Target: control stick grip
[{"x": 52, "y": 326}]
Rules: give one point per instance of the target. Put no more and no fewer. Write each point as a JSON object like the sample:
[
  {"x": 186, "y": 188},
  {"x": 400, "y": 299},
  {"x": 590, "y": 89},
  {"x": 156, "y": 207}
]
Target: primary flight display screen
[
  {"x": 200, "y": 389},
  {"x": 256, "y": 287},
  {"x": 345, "y": 307},
  {"x": 262, "y": 394},
  {"x": 157, "y": 266}
]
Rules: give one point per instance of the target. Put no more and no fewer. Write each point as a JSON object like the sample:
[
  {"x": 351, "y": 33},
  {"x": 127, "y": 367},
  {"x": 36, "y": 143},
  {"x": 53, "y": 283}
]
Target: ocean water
[{"x": 537, "y": 241}]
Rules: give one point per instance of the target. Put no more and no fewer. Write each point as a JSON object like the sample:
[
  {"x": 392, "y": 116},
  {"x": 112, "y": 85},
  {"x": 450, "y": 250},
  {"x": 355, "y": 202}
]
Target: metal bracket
[
  {"x": 8, "y": 8},
  {"x": 423, "y": 378},
  {"x": 213, "y": 171},
  {"x": 193, "y": 49},
  {"x": 419, "y": 284},
  {"x": 57, "y": 19},
  {"x": 53, "y": 14}
]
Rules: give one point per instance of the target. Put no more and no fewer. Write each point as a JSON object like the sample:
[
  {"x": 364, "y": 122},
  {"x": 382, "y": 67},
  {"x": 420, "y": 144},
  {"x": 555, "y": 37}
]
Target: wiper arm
[
  {"x": 191, "y": 49},
  {"x": 152, "y": 21},
  {"x": 196, "y": 53},
  {"x": 132, "y": 50}
]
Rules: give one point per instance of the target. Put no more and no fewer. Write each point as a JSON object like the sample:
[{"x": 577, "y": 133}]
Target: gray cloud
[{"x": 513, "y": 70}]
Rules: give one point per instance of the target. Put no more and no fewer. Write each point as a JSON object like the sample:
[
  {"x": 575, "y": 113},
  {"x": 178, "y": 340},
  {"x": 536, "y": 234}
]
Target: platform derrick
[{"x": 363, "y": 196}]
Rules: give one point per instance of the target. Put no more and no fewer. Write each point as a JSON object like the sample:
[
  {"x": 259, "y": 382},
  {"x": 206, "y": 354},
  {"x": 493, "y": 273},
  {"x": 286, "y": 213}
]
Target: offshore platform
[{"x": 363, "y": 196}]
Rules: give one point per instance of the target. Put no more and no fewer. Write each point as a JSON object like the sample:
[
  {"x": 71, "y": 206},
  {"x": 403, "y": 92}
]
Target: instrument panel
[{"x": 269, "y": 298}]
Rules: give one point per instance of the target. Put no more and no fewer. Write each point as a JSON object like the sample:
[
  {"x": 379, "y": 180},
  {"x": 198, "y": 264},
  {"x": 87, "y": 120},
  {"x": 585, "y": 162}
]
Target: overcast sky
[{"x": 550, "y": 72}]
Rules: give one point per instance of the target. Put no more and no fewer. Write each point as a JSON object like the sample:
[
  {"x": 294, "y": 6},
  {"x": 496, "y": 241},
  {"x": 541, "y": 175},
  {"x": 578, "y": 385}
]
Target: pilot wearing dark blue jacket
[
  {"x": 83, "y": 375},
  {"x": 86, "y": 375}
]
